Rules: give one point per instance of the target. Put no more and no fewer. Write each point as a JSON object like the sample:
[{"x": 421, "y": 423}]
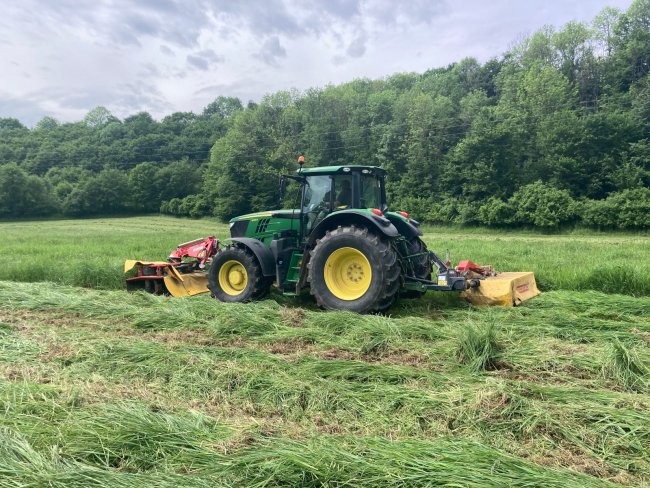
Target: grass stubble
[{"x": 103, "y": 388}]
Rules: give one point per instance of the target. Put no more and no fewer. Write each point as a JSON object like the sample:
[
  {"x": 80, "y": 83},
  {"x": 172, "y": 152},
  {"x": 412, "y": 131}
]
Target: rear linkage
[{"x": 465, "y": 276}]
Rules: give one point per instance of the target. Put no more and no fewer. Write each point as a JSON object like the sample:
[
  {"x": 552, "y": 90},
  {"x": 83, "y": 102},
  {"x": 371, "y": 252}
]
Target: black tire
[
  {"x": 264, "y": 289},
  {"x": 382, "y": 258},
  {"x": 256, "y": 286},
  {"x": 421, "y": 265}
]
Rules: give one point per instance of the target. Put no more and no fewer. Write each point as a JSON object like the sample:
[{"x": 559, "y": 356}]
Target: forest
[{"x": 554, "y": 133}]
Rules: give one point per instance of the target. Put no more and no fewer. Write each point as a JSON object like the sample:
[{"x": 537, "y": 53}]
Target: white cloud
[
  {"x": 64, "y": 57},
  {"x": 357, "y": 47},
  {"x": 272, "y": 51}
]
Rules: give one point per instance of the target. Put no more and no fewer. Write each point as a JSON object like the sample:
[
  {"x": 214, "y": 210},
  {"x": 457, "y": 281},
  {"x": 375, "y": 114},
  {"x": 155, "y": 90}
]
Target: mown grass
[
  {"x": 103, "y": 388},
  {"x": 134, "y": 390},
  {"x": 91, "y": 252}
]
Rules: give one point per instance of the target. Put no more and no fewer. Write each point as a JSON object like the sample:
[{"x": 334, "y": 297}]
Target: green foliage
[
  {"x": 191, "y": 206},
  {"x": 495, "y": 212},
  {"x": 23, "y": 195},
  {"x": 541, "y": 205},
  {"x": 629, "y": 209},
  {"x": 534, "y": 205},
  {"x": 562, "y": 117},
  {"x": 102, "y": 194},
  {"x": 177, "y": 180}
]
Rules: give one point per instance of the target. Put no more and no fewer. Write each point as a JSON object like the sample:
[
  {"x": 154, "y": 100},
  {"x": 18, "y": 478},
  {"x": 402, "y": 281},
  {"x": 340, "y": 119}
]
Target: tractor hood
[
  {"x": 285, "y": 213},
  {"x": 263, "y": 225}
]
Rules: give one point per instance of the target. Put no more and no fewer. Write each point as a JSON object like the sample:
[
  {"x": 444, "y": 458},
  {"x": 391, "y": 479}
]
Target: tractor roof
[{"x": 329, "y": 170}]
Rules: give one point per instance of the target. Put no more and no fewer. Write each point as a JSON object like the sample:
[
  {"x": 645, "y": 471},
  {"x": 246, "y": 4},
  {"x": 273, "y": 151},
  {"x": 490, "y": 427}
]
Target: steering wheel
[{"x": 317, "y": 207}]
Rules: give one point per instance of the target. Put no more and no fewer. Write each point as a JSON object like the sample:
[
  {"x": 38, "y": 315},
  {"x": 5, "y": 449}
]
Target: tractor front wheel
[
  {"x": 353, "y": 269},
  {"x": 236, "y": 276}
]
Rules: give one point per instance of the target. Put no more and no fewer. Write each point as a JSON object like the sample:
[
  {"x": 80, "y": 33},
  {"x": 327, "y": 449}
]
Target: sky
[{"x": 62, "y": 58}]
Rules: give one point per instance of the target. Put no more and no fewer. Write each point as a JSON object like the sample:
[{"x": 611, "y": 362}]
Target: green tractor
[{"x": 343, "y": 244}]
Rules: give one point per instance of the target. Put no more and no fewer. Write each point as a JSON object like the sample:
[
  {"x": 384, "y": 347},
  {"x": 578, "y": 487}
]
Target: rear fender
[
  {"x": 262, "y": 253},
  {"x": 344, "y": 218},
  {"x": 405, "y": 227},
  {"x": 351, "y": 217}
]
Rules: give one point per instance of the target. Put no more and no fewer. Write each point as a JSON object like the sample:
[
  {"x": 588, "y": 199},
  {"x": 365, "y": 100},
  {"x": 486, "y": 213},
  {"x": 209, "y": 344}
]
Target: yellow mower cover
[
  {"x": 507, "y": 289},
  {"x": 177, "y": 284}
]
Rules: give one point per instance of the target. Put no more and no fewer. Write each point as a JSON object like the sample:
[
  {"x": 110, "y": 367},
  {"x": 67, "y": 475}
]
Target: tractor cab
[{"x": 332, "y": 189}]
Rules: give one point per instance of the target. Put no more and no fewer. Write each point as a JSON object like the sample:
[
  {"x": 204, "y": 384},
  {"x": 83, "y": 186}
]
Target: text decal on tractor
[{"x": 343, "y": 243}]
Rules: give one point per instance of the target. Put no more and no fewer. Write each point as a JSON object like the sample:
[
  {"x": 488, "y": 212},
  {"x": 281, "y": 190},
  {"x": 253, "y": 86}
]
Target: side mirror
[{"x": 282, "y": 189}]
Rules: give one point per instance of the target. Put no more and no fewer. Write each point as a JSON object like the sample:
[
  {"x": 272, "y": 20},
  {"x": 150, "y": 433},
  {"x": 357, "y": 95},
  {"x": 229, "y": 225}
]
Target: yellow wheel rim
[
  {"x": 233, "y": 277},
  {"x": 347, "y": 273}
]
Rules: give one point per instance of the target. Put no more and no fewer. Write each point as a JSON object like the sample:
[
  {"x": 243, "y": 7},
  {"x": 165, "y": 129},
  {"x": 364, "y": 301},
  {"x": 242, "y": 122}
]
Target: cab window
[
  {"x": 342, "y": 192},
  {"x": 370, "y": 192},
  {"x": 317, "y": 193}
]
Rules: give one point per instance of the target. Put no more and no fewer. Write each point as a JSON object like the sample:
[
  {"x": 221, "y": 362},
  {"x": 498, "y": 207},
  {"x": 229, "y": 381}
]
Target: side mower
[{"x": 343, "y": 244}]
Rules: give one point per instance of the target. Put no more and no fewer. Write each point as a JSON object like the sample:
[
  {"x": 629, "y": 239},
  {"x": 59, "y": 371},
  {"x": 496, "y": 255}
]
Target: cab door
[{"x": 316, "y": 201}]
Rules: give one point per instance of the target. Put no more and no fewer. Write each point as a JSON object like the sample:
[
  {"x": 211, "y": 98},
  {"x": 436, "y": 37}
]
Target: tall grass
[
  {"x": 377, "y": 462},
  {"x": 610, "y": 263},
  {"x": 131, "y": 445},
  {"x": 206, "y": 379},
  {"x": 91, "y": 252}
]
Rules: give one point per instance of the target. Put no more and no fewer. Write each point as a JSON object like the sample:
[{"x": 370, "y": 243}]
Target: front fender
[{"x": 262, "y": 253}]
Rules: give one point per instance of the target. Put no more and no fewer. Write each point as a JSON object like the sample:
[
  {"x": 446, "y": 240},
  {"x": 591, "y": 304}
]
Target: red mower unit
[{"x": 182, "y": 274}]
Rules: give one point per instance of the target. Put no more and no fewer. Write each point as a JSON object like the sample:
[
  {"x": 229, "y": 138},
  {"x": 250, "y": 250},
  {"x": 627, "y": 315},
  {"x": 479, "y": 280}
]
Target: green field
[
  {"x": 104, "y": 388},
  {"x": 91, "y": 252}
]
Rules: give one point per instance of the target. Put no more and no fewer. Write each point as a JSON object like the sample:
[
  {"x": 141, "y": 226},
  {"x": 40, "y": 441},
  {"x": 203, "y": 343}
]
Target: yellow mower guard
[
  {"x": 176, "y": 283},
  {"x": 507, "y": 289},
  {"x": 183, "y": 285}
]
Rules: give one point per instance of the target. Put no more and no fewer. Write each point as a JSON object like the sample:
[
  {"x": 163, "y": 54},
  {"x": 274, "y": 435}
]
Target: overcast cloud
[{"x": 64, "y": 57}]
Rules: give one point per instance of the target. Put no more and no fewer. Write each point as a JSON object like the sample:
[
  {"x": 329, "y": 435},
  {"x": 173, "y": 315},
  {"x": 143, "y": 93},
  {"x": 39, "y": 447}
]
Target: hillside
[{"x": 561, "y": 119}]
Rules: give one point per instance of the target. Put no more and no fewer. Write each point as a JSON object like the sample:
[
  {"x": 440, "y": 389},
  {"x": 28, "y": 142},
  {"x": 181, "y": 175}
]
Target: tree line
[{"x": 555, "y": 132}]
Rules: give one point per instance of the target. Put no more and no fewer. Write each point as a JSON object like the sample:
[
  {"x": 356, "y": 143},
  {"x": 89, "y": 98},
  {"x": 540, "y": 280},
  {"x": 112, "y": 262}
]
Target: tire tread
[{"x": 388, "y": 260}]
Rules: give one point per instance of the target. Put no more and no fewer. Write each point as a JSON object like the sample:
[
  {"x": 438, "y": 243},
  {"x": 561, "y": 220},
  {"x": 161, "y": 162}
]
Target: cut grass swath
[
  {"x": 479, "y": 347},
  {"x": 624, "y": 367}
]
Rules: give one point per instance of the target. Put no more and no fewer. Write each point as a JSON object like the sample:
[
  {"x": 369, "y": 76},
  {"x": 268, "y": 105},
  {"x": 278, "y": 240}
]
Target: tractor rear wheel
[
  {"x": 236, "y": 276},
  {"x": 421, "y": 265},
  {"x": 353, "y": 269}
]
